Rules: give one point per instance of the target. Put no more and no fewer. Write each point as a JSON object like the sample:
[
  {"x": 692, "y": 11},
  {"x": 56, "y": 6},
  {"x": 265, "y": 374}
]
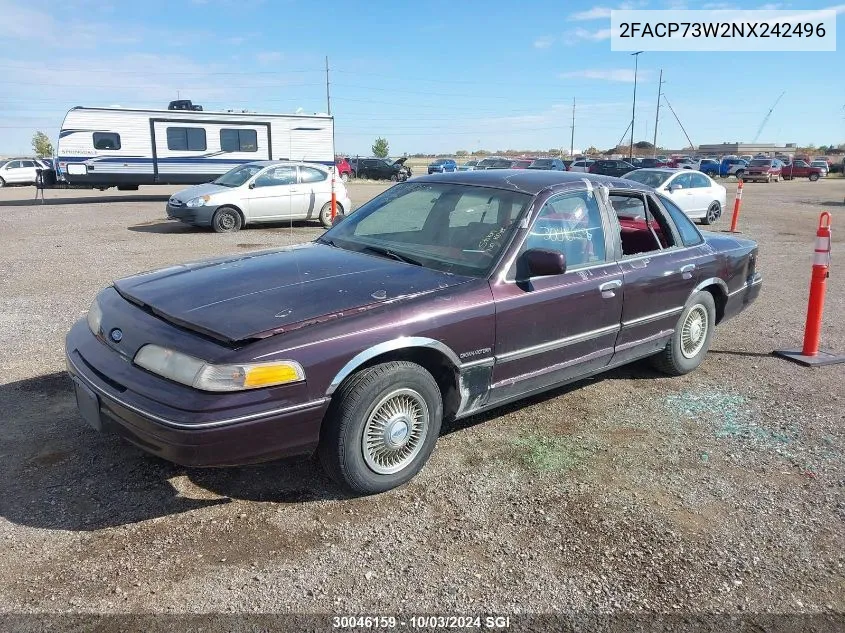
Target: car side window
[
  {"x": 569, "y": 224},
  {"x": 277, "y": 176},
  {"x": 684, "y": 180},
  {"x": 698, "y": 181},
  {"x": 309, "y": 174},
  {"x": 689, "y": 233},
  {"x": 14, "y": 164},
  {"x": 642, "y": 225}
]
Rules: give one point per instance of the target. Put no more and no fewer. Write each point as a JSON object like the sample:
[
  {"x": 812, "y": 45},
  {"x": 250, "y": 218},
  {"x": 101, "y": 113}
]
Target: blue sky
[{"x": 429, "y": 76}]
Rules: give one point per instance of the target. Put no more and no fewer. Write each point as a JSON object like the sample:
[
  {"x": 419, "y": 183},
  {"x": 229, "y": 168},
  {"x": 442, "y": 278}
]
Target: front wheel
[
  {"x": 714, "y": 212},
  {"x": 686, "y": 349},
  {"x": 814, "y": 177},
  {"x": 739, "y": 174},
  {"x": 394, "y": 177},
  {"x": 2, "y": 183},
  {"x": 226, "y": 220},
  {"x": 326, "y": 214},
  {"x": 381, "y": 427},
  {"x": 344, "y": 177}
]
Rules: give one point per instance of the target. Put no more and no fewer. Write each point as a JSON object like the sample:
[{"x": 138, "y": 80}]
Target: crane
[{"x": 766, "y": 118}]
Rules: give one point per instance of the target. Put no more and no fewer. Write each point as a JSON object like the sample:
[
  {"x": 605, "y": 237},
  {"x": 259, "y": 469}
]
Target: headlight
[
  {"x": 95, "y": 317},
  {"x": 197, "y": 373},
  {"x": 198, "y": 202}
]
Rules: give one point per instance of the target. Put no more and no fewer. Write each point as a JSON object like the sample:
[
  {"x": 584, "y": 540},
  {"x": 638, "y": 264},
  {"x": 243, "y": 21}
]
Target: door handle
[
  {"x": 608, "y": 287},
  {"x": 686, "y": 271}
]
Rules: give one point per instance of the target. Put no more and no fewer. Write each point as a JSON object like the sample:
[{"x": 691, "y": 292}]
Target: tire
[
  {"x": 394, "y": 178},
  {"x": 226, "y": 220},
  {"x": 343, "y": 451},
  {"x": 768, "y": 178},
  {"x": 814, "y": 177},
  {"x": 714, "y": 212},
  {"x": 344, "y": 177},
  {"x": 2, "y": 183},
  {"x": 739, "y": 174},
  {"x": 674, "y": 360},
  {"x": 326, "y": 214}
]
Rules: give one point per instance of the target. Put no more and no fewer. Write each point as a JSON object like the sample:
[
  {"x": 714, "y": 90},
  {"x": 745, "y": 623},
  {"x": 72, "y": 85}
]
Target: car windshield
[
  {"x": 439, "y": 161},
  {"x": 541, "y": 162},
  {"x": 459, "y": 229},
  {"x": 239, "y": 175},
  {"x": 647, "y": 177},
  {"x": 819, "y": 163},
  {"x": 760, "y": 162}
]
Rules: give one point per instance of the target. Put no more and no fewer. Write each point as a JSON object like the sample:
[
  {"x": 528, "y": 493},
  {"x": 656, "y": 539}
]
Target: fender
[
  {"x": 710, "y": 282},
  {"x": 403, "y": 342}
]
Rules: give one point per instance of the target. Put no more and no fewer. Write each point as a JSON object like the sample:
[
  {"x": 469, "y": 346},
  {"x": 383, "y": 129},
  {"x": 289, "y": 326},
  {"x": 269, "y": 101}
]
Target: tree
[
  {"x": 462, "y": 152},
  {"x": 591, "y": 150},
  {"x": 41, "y": 145},
  {"x": 643, "y": 145},
  {"x": 381, "y": 148}
]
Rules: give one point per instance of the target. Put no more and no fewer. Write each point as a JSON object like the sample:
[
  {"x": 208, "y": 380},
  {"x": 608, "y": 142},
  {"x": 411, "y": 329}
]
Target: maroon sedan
[{"x": 442, "y": 297}]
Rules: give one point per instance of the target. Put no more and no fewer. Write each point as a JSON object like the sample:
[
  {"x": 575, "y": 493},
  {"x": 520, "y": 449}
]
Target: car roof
[
  {"x": 530, "y": 182},
  {"x": 268, "y": 163}
]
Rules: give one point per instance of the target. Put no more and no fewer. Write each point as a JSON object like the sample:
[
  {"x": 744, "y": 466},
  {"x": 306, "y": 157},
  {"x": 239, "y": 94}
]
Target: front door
[
  {"x": 552, "y": 329},
  {"x": 659, "y": 274},
  {"x": 270, "y": 194},
  {"x": 12, "y": 172}
]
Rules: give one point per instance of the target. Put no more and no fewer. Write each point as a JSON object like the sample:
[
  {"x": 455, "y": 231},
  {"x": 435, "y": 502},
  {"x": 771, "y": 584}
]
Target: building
[{"x": 738, "y": 149}]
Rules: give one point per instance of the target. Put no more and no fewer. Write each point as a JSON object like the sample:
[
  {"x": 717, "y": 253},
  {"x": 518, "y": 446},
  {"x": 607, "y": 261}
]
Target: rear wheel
[
  {"x": 686, "y": 349},
  {"x": 714, "y": 211},
  {"x": 226, "y": 220},
  {"x": 326, "y": 214},
  {"x": 382, "y": 427}
]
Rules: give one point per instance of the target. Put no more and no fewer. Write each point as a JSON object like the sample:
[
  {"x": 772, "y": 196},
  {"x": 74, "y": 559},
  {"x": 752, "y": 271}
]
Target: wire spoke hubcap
[
  {"x": 395, "y": 431},
  {"x": 694, "y": 331}
]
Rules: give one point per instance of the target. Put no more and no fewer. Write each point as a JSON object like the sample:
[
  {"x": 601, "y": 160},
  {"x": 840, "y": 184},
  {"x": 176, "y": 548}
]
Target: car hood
[
  {"x": 205, "y": 189},
  {"x": 268, "y": 292},
  {"x": 399, "y": 162}
]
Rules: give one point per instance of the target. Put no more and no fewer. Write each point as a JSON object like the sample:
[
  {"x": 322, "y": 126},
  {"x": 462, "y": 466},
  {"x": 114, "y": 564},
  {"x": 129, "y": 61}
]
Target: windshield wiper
[
  {"x": 322, "y": 240},
  {"x": 386, "y": 252}
]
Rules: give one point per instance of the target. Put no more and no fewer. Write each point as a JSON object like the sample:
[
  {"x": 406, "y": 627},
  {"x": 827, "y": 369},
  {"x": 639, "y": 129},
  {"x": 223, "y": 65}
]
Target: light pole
[{"x": 634, "y": 106}]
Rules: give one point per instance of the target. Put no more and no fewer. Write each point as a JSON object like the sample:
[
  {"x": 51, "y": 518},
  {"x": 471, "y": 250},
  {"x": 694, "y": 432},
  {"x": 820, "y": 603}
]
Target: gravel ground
[{"x": 719, "y": 492}]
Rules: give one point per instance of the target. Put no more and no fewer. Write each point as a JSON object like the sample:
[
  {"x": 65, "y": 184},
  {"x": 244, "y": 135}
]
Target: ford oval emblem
[{"x": 116, "y": 335}]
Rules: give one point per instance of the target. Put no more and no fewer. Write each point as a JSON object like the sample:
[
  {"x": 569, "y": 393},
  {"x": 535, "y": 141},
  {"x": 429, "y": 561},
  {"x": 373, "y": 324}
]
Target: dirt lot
[{"x": 722, "y": 491}]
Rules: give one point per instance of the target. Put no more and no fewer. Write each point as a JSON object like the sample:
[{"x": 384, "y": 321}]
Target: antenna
[
  {"x": 766, "y": 118},
  {"x": 572, "y": 136}
]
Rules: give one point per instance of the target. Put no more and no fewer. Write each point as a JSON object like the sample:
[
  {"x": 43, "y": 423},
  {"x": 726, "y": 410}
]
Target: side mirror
[
  {"x": 338, "y": 218},
  {"x": 672, "y": 188},
  {"x": 540, "y": 262},
  {"x": 252, "y": 185}
]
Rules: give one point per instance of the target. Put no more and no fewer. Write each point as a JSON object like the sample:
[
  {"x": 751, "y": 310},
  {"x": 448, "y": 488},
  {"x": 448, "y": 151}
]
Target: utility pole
[
  {"x": 657, "y": 110},
  {"x": 634, "y": 106},
  {"x": 328, "y": 94},
  {"x": 572, "y": 135}
]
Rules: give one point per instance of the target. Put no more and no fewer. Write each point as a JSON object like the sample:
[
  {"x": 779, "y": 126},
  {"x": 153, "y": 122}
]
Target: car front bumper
[
  {"x": 199, "y": 216},
  {"x": 236, "y": 436}
]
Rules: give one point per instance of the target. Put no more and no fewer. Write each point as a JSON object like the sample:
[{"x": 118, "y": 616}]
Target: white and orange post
[
  {"x": 737, "y": 205},
  {"x": 334, "y": 194},
  {"x": 818, "y": 288},
  {"x": 810, "y": 354}
]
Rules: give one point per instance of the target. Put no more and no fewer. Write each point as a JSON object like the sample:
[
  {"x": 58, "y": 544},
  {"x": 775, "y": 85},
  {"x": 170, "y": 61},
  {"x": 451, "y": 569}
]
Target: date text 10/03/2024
[{"x": 352, "y": 622}]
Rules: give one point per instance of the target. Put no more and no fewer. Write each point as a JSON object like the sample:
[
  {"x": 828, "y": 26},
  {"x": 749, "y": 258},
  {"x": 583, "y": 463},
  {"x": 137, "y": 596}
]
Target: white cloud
[
  {"x": 269, "y": 57},
  {"x": 596, "y": 13},
  {"x": 597, "y": 35},
  {"x": 544, "y": 41},
  {"x": 625, "y": 75}
]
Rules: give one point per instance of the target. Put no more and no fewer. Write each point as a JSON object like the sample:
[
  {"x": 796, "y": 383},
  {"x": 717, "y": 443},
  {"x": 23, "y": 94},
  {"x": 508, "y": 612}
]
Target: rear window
[
  {"x": 237, "y": 140},
  {"x": 106, "y": 140},
  {"x": 759, "y": 162},
  {"x": 186, "y": 139},
  {"x": 309, "y": 174}
]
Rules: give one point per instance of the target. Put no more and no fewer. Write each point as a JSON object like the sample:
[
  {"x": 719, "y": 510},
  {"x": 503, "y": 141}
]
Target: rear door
[
  {"x": 551, "y": 329},
  {"x": 269, "y": 196},
  {"x": 310, "y": 194},
  {"x": 659, "y": 273},
  {"x": 701, "y": 194}
]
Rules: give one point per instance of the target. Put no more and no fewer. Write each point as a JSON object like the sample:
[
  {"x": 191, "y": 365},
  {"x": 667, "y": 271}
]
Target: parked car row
[{"x": 22, "y": 171}]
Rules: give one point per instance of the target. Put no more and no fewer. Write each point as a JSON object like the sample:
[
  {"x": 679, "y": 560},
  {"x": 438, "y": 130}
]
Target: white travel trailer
[{"x": 122, "y": 147}]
